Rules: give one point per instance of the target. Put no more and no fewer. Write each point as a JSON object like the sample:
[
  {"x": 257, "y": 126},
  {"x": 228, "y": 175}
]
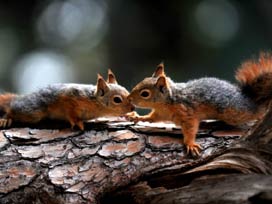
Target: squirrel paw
[
  {"x": 193, "y": 148},
  {"x": 133, "y": 116},
  {"x": 4, "y": 123}
]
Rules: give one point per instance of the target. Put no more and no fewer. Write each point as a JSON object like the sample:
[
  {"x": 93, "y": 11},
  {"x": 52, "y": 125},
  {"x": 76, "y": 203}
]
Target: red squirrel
[
  {"x": 186, "y": 104},
  {"x": 74, "y": 103}
]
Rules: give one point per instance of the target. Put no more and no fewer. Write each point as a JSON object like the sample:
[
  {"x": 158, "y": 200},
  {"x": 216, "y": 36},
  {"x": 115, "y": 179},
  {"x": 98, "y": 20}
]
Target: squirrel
[
  {"x": 74, "y": 103},
  {"x": 186, "y": 104}
]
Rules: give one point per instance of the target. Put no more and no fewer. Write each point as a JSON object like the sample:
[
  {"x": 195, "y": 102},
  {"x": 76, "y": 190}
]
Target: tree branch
[{"x": 111, "y": 158}]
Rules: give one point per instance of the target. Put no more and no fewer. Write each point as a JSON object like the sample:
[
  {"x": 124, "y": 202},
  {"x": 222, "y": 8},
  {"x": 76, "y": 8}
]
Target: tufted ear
[
  {"x": 111, "y": 77},
  {"x": 162, "y": 84},
  {"x": 159, "y": 70},
  {"x": 101, "y": 86}
]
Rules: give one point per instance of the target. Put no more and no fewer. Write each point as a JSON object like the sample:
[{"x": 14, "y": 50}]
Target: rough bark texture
[{"x": 143, "y": 163}]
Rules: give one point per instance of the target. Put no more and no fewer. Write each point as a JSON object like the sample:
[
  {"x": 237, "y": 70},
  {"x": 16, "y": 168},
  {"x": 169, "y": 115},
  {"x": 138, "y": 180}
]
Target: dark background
[{"x": 44, "y": 41}]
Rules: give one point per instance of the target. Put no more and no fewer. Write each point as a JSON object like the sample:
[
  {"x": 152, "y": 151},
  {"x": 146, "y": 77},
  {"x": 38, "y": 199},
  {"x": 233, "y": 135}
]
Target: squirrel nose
[{"x": 132, "y": 108}]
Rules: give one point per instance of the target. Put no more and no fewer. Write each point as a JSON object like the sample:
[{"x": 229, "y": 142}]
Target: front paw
[
  {"x": 4, "y": 123},
  {"x": 193, "y": 149},
  {"x": 133, "y": 116}
]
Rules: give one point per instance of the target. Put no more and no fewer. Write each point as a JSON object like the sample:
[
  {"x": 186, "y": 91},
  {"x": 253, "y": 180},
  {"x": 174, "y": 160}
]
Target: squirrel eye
[
  {"x": 145, "y": 93},
  {"x": 117, "y": 99}
]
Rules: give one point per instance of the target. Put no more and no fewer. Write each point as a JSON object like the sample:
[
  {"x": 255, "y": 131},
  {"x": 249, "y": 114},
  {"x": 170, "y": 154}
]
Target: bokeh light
[
  {"x": 217, "y": 22},
  {"x": 41, "y": 68},
  {"x": 63, "y": 23},
  {"x": 80, "y": 38}
]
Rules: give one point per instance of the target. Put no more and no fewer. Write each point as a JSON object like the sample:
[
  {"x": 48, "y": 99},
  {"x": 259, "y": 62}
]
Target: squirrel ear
[
  {"x": 162, "y": 83},
  {"x": 111, "y": 77},
  {"x": 101, "y": 86},
  {"x": 159, "y": 71}
]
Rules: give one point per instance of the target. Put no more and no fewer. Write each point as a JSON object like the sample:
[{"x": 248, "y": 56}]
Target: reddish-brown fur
[
  {"x": 255, "y": 79},
  {"x": 5, "y": 100},
  {"x": 251, "y": 69},
  {"x": 76, "y": 110},
  {"x": 189, "y": 118},
  {"x": 70, "y": 109},
  {"x": 108, "y": 99}
]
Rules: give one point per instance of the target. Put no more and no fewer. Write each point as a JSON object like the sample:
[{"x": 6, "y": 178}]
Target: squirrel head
[
  {"x": 112, "y": 96},
  {"x": 152, "y": 90}
]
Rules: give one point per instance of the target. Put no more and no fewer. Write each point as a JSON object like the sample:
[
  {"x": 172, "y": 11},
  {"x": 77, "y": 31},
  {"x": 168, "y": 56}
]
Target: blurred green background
[{"x": 47, "y": 41}]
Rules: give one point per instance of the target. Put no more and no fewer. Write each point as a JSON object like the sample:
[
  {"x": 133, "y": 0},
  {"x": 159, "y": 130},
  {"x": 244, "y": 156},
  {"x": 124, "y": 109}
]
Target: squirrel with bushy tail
[
  {"x": 186, "y": 104},
  {"x": 74, "y": 103}
]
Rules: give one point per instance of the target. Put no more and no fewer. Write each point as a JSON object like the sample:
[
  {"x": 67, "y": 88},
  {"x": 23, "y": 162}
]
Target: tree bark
[{"x": 117, "y": 161}]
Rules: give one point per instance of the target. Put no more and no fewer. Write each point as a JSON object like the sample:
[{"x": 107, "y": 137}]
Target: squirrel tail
[
  {"x": 5, "y": 100},
  {"x": 255, "y": 78}
]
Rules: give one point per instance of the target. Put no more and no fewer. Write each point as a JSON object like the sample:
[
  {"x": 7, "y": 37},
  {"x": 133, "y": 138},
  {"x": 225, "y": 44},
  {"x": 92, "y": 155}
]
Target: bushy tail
[
  {"x": 255, "y": 78},
  {"x": 5, "y": 100}
]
